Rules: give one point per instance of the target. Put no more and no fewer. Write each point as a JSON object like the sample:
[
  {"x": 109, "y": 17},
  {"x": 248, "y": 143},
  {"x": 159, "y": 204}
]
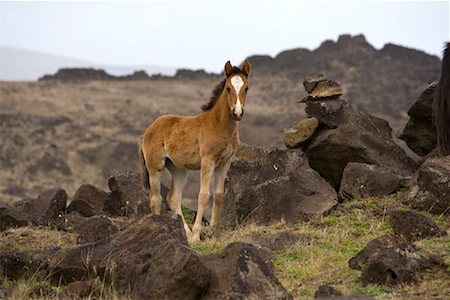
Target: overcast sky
[{"x": 200, "y": 34}]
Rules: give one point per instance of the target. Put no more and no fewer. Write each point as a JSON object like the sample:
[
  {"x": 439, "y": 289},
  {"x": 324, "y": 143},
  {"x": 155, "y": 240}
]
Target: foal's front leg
[{"x": 207, "y": 168}]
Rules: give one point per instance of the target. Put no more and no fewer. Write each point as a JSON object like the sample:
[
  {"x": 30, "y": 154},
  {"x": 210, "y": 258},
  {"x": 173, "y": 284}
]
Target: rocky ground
[{"x": 344, "y": 211}]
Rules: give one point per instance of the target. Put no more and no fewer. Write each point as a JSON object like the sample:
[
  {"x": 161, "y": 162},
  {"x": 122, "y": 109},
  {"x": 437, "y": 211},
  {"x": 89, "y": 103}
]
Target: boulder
[
  {"x": 413, "y": 226},
  {"x": 88, "y": 200},
  {"x": 241, "y": 272},
  {"x": 95, "y": 229},
  {"x": 396, "y": 265},
  {"x": 45, "y": 208},
  {"x": 266, "y": 186},
  {"x": 327, "y": 111},
  {"x": 361, "y": 180},
  {"x": 358, "y": 137},
  {"x": 128, "y": 197},
  {"x": 15, "y": 265},
  {"x": 70, "y": 222},
  {"x": 326, "y": 291},
  {"x": 300, "y": 133},
  {"x": 12, "y": 217},
  {"x": 360, "y": 259},
  {"x": 432, "y": 190},
  {"x": 419, "y": 132},
  {"x": 151, "y": 252}
]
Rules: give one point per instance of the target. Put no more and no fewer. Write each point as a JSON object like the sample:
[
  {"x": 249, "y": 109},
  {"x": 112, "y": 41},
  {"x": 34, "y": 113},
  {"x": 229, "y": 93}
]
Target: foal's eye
[
  {"x": 228, "y": 89},
  {"x": 246, "y": 89}
]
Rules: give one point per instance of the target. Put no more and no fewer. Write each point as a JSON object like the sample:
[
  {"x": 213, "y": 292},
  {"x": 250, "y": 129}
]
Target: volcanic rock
[
  {"x": 70, "y": 222},
  {"x": 413, "y": 226},
  {"x": 396, "y": 265},
  {"x": 419, "y": 133},
  {"x": 361, "y": 180},
  {"x": 359, "y": 137},
  {"x": 300, "y": 133},
  {"x": 95, "y": 229},
  {"x": 88, "y": 200},
  {"x": 241, "y": 272},
  {"x": 432, "y": 191},
  {"x": 12, "y": 217},
  {"x": 15, "y": 265},
  {"x": 266, "y": 186},
  {"x": 361, "y": 258},
  {"x": 326, "y": 111},
  {"x": 46, "y": 208},
  {"x": 151, "y": 252}
]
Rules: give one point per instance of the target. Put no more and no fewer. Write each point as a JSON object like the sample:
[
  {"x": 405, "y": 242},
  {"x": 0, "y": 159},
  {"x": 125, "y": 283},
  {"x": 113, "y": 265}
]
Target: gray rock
[
  {"x": 265, "y": 186},
  {"x": 12, "y": 217},
  {"x": 88, "y": 200},
  {"x": 361, "y": 180},
  {"x": 326, "y": 111},
  {"x": 45, "y": 208},
  {"x": 95, "y": 229},
  {"x": 432, "y": 191}
]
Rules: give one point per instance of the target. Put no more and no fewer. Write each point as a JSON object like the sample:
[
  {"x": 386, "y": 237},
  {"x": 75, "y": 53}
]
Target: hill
[{"x": 21, "y": 64}]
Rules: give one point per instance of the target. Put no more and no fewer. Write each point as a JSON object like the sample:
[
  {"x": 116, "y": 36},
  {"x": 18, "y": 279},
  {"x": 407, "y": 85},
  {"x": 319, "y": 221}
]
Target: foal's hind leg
[
  {"x": 155, "y": 192},
  {"x": 219, "y": 186},
  {"x": 179, "y": 177}
]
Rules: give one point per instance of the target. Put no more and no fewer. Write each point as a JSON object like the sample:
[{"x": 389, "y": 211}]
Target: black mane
[{"x": 218, "y": 90}]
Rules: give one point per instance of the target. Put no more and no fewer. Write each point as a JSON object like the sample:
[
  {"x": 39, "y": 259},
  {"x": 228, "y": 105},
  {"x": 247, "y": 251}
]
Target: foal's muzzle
[{"x": 235, "y": 116}]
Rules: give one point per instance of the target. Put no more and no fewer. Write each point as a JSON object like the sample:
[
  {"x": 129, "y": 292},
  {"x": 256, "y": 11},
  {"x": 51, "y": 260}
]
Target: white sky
[{"x": 200, "y": 34}]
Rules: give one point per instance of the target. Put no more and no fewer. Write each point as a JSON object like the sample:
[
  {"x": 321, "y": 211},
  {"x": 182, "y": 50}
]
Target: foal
[{"x": 204, "y": 142}]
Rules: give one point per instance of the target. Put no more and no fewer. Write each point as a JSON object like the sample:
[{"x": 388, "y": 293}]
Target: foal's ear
[
  {"x": 228, "y": 68},
  {"x": 246, "y": 68}
]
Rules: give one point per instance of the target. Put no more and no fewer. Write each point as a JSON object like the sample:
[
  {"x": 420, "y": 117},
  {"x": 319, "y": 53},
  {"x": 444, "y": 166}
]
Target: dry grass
[{"x": 35, "y": 238}]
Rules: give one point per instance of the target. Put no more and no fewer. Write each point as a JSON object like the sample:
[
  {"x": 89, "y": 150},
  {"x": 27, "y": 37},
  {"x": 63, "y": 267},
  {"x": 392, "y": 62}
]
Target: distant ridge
[
  {"x": 385, "y": 82},
  {"x": 20, "y": 64}
]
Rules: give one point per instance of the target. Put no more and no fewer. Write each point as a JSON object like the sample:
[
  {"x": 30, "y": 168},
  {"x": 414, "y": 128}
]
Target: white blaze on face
[{"x": 237, "y": 83}]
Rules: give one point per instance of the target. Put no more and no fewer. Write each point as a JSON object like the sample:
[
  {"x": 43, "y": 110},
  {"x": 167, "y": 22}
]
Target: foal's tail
[
  {"x": 144, "y": 171},
  {"x": 441, "y": 106}
]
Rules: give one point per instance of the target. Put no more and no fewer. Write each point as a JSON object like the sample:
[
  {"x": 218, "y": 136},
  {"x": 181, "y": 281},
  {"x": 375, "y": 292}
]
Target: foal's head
[{"x": 236, "y": 87}]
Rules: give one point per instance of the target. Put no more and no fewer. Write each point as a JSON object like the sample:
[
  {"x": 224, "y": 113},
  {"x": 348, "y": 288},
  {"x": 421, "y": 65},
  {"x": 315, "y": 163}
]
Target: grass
[{"x": 319, "y": 257}]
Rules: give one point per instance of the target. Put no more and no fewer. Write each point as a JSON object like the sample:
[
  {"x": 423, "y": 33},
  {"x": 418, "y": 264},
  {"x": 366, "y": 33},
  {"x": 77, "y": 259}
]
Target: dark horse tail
[
  {"x": 144, "y": 172},
  {"x": 441, "y": 106}
]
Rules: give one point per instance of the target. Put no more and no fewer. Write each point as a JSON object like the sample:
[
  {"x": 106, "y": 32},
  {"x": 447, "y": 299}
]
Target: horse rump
[{"x": 441, "y": 106}]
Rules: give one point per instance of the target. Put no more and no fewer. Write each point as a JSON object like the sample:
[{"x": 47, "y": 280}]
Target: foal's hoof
[{"x": 193, "y": 239}]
